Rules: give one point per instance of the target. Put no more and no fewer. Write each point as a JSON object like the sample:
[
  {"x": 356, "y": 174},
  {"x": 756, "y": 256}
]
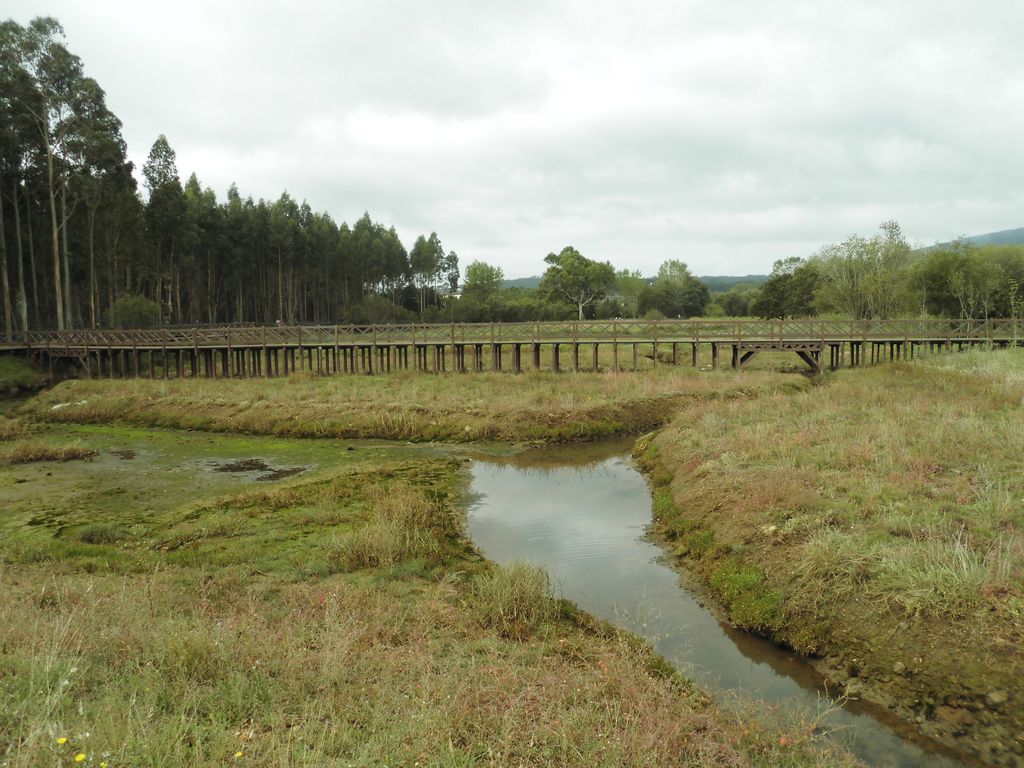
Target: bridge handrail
[{"x": 704, "y": 329}]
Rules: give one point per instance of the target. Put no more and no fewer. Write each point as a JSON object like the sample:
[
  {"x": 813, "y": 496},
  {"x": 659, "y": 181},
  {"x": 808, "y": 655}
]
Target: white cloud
[{"x": 725, "y": 134}]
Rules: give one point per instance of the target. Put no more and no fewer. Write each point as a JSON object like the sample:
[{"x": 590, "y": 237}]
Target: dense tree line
[
  {"x": 881, "y": 277},
  {"x": 81, "y": 246}
]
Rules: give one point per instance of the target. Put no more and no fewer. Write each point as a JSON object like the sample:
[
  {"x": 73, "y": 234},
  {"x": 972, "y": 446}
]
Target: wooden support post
[
  {"x": 714, "y": 355},
  {"x": 555, "y": 363},
  {"x": 636, "y": 357},
  {"x": 536, "y": 356},
  {"x": 597, "y": 358},
  {"x": 615, "y": 356},
  {"x": 694, "y": 355},
  {"x": 517, "y": 358},
  {"x": 675, "y": 353},
  {"x": 735, "y": 356},
  {"x": 576, "y": 357}
]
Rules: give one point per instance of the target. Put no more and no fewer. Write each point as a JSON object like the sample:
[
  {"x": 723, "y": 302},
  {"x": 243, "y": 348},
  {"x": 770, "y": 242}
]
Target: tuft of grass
[
  {"x": 403, "y": 524},
  {"x": 12, "y": 428},
  {"x": 380, "y": 545},
  {"x": 28, "y": 451},
  {"x": 514, "y": 599}
]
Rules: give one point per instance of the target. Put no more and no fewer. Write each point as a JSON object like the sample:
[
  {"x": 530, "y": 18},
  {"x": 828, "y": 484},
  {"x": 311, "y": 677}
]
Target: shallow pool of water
[{"x": 582, "y": 514}]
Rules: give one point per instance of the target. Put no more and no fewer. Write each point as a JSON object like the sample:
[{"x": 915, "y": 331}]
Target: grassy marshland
[
  {"x": 335, "y": 619},
  {"x": 877, "y": 520}
]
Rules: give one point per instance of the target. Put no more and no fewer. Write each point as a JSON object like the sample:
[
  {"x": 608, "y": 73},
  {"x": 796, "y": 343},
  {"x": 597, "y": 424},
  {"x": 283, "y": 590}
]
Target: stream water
[{"x": 582, "y": 513}]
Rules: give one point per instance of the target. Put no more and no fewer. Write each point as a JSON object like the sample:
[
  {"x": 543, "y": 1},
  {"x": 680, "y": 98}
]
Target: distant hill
[
  {"x": 522, "y": 282},
  {"x": 715, "y": 283},
  {"x": 1003, "y": 237}
]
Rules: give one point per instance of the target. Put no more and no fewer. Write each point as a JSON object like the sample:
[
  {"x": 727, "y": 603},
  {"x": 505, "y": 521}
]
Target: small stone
[
  {"x": 854, "y": 688},
  {"x": 770, "y": 529},
  {"x": 899, "y": 668},
  {"x": 995, "y": 698}
]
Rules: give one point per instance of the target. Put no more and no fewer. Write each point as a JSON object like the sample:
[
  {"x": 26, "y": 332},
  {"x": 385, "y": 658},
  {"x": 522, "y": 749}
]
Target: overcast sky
[{"x": 725, "y": 134}]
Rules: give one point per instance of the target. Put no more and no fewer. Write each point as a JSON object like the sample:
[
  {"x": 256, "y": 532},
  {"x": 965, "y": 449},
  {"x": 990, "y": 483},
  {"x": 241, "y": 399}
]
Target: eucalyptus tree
[
  {"x": 63, "y": 105},
  {"x": 426, "y": 262},
  {"x": 576, "y": 279},
  {"x": 165, "y": 223}
]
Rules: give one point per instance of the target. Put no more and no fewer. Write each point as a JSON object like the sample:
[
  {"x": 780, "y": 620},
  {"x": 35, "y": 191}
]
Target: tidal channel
[{"x": 582, "y": 513}]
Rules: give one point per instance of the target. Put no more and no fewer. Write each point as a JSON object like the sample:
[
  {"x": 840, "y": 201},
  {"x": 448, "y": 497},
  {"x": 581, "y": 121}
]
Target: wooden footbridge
[{"x": 243, "y": 351}]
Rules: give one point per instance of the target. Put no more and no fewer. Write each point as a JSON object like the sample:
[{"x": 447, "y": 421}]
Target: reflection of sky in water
[{"x": 585, "y": 525}]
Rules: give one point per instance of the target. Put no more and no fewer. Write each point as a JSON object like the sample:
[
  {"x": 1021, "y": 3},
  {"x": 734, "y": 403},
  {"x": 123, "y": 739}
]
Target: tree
[
  {"x": 789, "y": 291},
  {"x": 863, "y": 277},
  {"x": 165, "y": 220},
  {"x": 576, "y": 279}
]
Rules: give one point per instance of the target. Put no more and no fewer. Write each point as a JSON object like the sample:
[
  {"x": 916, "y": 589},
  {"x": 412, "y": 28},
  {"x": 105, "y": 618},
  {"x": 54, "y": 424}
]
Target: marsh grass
[
  {"x": 514, "y": 599},
  {"x": 408, "y": 406},
  {"x": 26, "y": 451},
  {"x": 875, "y": 517},
  {"x": 898, "y": 483}
]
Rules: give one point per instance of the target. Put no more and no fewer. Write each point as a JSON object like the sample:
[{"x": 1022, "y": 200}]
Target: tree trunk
[
  {"x": 8, "y": 315},
  {"x": 93, "y": 287},
  {"x": 21, "y": 302},
  {"x": 37, "y": 309},
  {"x": 67, "y": 266},
  {"x": 57, "y": 292}
]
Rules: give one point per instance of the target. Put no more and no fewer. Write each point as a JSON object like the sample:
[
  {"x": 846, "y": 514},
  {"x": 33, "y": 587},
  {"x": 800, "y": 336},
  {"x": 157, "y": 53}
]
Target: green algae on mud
[{"x": 873, "y": 522}]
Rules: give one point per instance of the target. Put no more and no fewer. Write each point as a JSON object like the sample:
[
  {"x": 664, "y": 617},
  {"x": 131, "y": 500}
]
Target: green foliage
[
  {"x": 735, "y": 302},
  {"x": 375, "y": 309},
  {"x": 789, "y": 292},
  {"x": 16, "y": 375},
  {"x": 135, "y": 312},
  {"x": 629, "y": 284},
  {"x": 482, "y": 281},
  {"x": 862, "y": 277},
  {"x": 966, "y": 280}
]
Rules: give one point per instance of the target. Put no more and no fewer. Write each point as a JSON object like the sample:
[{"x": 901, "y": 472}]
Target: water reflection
[{"x": 582, "y": 513}]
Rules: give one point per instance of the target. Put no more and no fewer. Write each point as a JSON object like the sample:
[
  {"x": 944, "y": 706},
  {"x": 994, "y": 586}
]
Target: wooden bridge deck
[{"x": 264, "y": 351}]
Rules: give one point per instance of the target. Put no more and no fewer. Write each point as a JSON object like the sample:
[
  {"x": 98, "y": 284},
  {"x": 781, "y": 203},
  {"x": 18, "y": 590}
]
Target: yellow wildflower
[
  {"x": 62, "y": 740},
  {"x": 80, "y": 757},
  {"x": 103, "y": 764},
  {"x": 237, "y": 755}
]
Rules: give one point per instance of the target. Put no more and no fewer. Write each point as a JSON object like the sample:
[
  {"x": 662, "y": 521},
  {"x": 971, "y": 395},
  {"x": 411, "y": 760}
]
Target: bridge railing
[{"x": 739, "y": 331}]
